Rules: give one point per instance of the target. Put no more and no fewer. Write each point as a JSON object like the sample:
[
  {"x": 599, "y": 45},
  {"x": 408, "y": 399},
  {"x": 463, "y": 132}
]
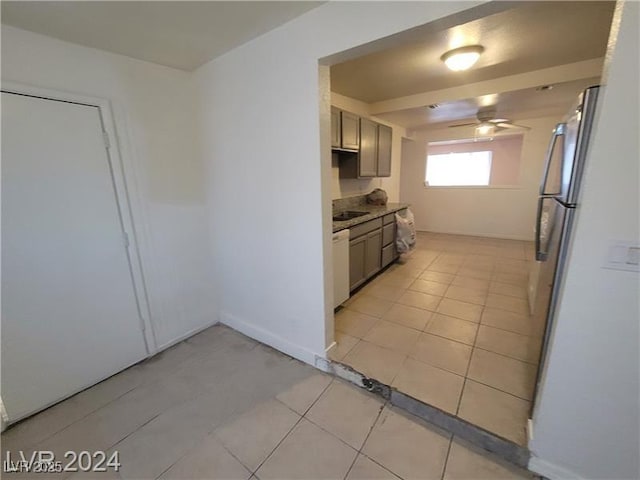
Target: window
[
  {"x": 486, "y": 163},
  {"x": 459, "y": 169}
]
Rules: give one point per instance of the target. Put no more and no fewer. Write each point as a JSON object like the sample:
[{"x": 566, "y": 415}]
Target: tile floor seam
[
  {"x": 466, "y": 374},
  {"x": 498, "y": 389},
  {"x": 404, "y": 360},
  {"x": 435, "y": 366},
  {"x": 503, "y": 355},
  {"x": 381, "y": 465},
  {"x": 505, "y": 330},
  {"x": 253, "y": 472},
  {"x": 331, "y": 433},
  {"x": 359, "y": 451},
  {"x": 446, "y": 458},
  {"x": 29, "y": 445},
  {"x": 485, "y": 349}
]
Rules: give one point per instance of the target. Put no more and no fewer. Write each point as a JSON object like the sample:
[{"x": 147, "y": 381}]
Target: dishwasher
[{"x": 340, "y": 267}]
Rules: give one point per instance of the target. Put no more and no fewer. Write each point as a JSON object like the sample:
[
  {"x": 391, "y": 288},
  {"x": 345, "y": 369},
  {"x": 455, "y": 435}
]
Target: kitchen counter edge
[{"x": 375, "y": 211}]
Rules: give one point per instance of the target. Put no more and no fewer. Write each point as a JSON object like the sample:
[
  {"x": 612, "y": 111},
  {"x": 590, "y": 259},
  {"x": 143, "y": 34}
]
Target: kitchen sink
[{"x": 348, "y": 215}]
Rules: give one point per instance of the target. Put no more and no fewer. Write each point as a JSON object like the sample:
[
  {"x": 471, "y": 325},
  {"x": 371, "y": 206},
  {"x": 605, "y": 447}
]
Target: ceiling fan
[{"x": 488, "y": 123}]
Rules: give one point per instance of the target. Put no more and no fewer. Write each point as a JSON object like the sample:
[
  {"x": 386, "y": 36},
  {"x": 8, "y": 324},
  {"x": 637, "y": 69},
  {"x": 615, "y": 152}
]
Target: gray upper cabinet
[
  {"x": 384, "y": 151},
  {"x": 369, "y": 142},
  {"x": 336, "y": 128},
  {"x": 368, "y": 157},
  {"x": 350, "y": 130}
]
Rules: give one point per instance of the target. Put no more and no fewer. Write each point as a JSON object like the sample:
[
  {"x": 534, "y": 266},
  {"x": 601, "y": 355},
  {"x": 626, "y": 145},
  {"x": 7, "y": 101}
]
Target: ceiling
[
  {"x": 514, "y": 105},
  {"x": 179, "y": 34},
  {"x": 531, "y": 36}
]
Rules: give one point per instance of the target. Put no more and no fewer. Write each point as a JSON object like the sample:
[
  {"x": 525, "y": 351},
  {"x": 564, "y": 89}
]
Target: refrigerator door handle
[
  {"x": 541, "y": 256},
  {"x": 559, "y": 131}
]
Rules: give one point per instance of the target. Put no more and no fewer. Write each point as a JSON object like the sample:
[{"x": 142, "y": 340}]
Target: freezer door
[
  {"x": 551, "y": 184},
  {"x": 577, "y": 134}
]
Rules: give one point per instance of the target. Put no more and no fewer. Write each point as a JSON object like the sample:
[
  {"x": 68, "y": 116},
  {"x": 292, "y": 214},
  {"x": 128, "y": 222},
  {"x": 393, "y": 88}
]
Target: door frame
[{"x": 127, "y": 197}]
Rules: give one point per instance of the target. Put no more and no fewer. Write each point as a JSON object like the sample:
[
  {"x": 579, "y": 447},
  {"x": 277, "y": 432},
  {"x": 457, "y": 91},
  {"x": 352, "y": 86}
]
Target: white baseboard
[
  {"x": 551, "y": 471},
  {"x": 275, "y": 341},
  {"x": 184, "y": 336},
  {"x": 330, "y": 347},
  {"x": 478, "y": 234}
]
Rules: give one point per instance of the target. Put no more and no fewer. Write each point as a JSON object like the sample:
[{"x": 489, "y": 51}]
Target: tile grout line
[
  {"x": 359, "y": 450},
  {"x": 446, "y": 458},
  {"x": 32, "y": 418},
  {"x": 386, "y": 404},
  {"x": 253, "y": 472}
]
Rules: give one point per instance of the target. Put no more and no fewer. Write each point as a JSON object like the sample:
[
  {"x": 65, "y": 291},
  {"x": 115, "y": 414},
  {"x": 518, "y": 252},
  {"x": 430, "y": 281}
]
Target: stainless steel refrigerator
[{"x": 557, "y": 204}]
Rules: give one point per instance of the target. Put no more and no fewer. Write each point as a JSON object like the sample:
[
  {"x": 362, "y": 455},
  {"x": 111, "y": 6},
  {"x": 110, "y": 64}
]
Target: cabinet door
[
  {"x": 384, "y": 151},
  {"x": 336, "y": 128},
  {"x": 367, "y": 159},
  {"x": 373, "y": 253},
  {"x": 388, "y": 233},
  {"x": 388, "y": 254},
  {"x": 357, "y": 252},
  {"x": 350, "y": 130}
]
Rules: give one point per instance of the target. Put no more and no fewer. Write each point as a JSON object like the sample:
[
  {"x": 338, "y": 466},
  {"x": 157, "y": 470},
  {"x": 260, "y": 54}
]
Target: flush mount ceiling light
[{"x": 462, "y": 58}]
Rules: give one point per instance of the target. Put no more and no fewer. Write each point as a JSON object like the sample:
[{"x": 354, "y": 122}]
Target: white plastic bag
[{"x": 406, "y": 232}]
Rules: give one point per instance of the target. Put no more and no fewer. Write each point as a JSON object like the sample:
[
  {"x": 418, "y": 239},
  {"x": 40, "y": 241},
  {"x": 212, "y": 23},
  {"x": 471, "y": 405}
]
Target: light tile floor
[
  {"x": 221, "y": 406},
  {"x": 450, "y": 326}
]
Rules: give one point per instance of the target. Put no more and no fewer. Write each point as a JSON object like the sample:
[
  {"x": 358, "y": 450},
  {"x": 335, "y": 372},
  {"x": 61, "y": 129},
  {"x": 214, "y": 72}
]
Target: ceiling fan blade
[
  {"x": 463, "y": 124},
  {"x": 513, "y": 125}
]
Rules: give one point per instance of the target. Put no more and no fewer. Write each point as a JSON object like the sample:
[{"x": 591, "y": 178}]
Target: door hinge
[
  {"x": 125, "y": 235},
  {"x": 107, "y": 141}
]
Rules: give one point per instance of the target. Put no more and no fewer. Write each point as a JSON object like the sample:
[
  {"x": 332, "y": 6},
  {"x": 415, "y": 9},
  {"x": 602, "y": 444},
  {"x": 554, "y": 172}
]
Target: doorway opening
[{"x": 460, "y": 322}]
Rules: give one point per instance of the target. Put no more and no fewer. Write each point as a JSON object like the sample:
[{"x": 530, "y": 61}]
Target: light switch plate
[{"x": 623, "y": 255}]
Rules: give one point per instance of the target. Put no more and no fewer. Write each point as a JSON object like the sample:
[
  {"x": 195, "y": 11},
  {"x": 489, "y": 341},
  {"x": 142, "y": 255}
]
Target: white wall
[
  {"x": 502, "y": 212},
  {"x": 346, "y": 187},
  {"x": 156, "y": 125},
  {"x": 264, "y": 104},
  {"x": 587, "y": 421}
]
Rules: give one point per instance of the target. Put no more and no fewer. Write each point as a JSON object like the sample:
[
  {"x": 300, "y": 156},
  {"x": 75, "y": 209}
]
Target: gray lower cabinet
[
  {"x": 365, "y": 258},
  {"x": 388, "y": 254},
  {"x": 357, "y": 255},
  {"x": 371, "y": 248},
  {"x": 372, "y": 259}
]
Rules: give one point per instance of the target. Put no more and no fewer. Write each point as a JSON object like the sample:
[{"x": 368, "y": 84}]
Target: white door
[{"x": 69, "y": 312}]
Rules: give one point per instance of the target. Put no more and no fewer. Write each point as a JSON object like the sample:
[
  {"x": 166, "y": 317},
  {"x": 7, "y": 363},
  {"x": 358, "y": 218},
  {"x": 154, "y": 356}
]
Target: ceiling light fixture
[{"x": 462, "y": 58}]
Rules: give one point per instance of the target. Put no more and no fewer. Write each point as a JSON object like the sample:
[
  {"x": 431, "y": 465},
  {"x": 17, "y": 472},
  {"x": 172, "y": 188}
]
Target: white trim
[
  {"x": 329, "y": 348},
  {"x": 550, "y": 470},
  {"x": 190, "y": 333},
  {"x": 125, "y": 191},
  {"x": 267, "y": 337},
  {"x": 479, "y": 234},
  {"x": 323, "y": 364}
]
